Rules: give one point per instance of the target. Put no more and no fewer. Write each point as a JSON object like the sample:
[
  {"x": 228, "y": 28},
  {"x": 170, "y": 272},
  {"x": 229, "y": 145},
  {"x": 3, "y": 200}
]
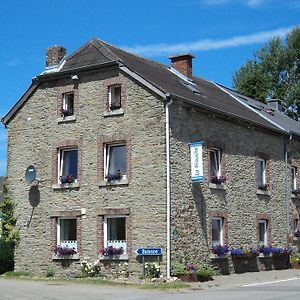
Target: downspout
[
  {"x": 287, "y": 190},
  {"x": 167, "y": 104}
]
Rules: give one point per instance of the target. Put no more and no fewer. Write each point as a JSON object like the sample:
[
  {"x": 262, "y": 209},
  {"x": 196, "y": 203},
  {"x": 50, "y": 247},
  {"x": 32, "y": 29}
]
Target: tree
[
  {"x": 274, "y": 73},
  {"x": 9, "y": 233}
]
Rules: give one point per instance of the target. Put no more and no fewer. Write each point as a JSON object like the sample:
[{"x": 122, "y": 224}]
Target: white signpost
[{"x": 197, "y": 161}]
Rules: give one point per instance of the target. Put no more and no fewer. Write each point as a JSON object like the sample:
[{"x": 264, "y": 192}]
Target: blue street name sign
[{"x": 148, "y": 251}]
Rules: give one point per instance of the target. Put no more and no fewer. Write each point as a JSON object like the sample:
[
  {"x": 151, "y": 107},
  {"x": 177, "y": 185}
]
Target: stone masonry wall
[
  {"x": 37, "y": 129},
  {"x": 194, "y": 204}
]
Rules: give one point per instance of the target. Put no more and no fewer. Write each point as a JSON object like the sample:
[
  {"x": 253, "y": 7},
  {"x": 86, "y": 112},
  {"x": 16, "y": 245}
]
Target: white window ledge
[
  {"x": 217, "y": 186},
  {"x": 60, "y": 186},
  {"x": 111, "y": 113},
  {"x": 264, "y": 193},
  {"x": 113, "y": 182},
  {"x": 66, "y": 119},
  {"x": 215, "y": 256},
  {"x": 113, "y": 257},
  {"x": 70, "y": 257}
]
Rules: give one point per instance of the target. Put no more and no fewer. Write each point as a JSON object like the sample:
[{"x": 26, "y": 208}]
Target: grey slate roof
[{"x": 199, "y": 92}]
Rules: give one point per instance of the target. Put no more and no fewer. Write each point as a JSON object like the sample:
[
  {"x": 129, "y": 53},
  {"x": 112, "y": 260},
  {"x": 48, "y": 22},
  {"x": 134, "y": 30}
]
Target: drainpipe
[
  {"x": 287, "y": 190},
  {"x": 167, "y": 104}
]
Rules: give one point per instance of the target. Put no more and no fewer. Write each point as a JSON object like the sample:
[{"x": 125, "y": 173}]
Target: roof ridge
[{"x": 103, "y": 49}]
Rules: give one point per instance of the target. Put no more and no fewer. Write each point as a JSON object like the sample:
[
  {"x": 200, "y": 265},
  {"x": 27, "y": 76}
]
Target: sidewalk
[{"x": 234, "y": 280}]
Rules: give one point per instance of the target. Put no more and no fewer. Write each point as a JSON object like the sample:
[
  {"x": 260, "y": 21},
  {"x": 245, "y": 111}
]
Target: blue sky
[{"x": 222, "y": 35}]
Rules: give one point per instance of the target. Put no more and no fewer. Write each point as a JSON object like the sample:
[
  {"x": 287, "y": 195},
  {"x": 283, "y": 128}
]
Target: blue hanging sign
[{"x": 196, "y": 149}]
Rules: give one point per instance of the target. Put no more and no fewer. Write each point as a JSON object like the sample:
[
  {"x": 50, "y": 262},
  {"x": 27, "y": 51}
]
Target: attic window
[{"x": 115, "y": 97}]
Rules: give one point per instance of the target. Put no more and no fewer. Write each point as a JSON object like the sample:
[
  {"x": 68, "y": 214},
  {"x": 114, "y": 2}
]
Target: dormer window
[
  {"x": 115, "y": 97},
  {"x": 67, "y": 108}
]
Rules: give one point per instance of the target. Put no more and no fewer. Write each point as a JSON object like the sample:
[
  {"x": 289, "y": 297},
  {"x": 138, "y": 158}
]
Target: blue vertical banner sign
[{"x": 197, "y": 161}]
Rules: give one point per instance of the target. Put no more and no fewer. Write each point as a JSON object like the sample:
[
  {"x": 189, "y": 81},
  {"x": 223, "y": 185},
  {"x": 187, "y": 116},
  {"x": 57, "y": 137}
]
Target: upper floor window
[
  {"x": 263, "y": 232},
  {"x": 294, "y": 178},
  {"x": 261, "y": 174},
  {"x": 115, "y": 161},
  {"x": 217, "y": 230},
  {"x": 68, "y": 165},
  {"x": 215, "y": 158},
  {"x": 115, "y": 97},
  {"x": 67, "y": 108}
]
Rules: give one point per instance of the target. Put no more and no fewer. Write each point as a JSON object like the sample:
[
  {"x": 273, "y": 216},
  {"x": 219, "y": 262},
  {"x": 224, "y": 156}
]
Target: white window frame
[
  {"x": 107, "y": 157},
  {"x": 70, "y": 244},
  {"x": 65, "y": 101},
  {"x": 265, "y": 223},
  {"x": 294, "y": 177},
  {"x": 111, "y": 93},
  {"x": 262, "y": 162},
  {"x": 221, "y": 220},
  {"x": 118, "y": 244},
  {"x": 217, "y": 156},
  {"x": 61, "y": 161}
]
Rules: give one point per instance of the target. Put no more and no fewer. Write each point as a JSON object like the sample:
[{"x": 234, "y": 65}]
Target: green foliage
[
  {"x": 205, "y": 272},
  {"x": 17, "y": 274},
  {"x": 50, "y": 272},
  {"x": 178, "y": 268},
  {"x": 90, "y": 269},
  {"x": 9, "y": 231},
  {"x": 295, "y": 257},
  {"x": 6, "y": 256},
  {"x": 152, "y": 270},
  {"x": 274, "y": 73}
]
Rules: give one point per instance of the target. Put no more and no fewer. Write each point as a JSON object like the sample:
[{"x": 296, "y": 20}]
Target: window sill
[
  {"x": 217, "y": 186},
  {"x": 60, "y": 186},
  {"x": 69, "y": 257},
  {"x": 110, "y": 113},
  {"x": 215, "y": 256},
  {"x": 263, "y": 193},
  {"x": 261, "y": 255},
  {"x": 66, "y": 119},
  {"x": 113, "y": 182},
  {"x": 113, "y": 257}
]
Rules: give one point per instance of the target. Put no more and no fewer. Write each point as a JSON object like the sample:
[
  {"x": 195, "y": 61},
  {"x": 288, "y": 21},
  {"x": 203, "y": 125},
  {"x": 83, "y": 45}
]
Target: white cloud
[
  {"x": 208, "y": 44},
  {"x": 250, "y": 3}
]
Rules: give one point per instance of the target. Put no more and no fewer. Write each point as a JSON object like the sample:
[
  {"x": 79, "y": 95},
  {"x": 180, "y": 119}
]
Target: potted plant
[
  {"x": 205, "y": 273},
  {"x": 219, "y": 250},
  {"x": 67, "y": 179},
  {"x": 296, "y": 192},
  {"x": 111, "y": 251},
  {"x": 263, "y": 187},
  {"x": 247, "y": 252},
  {"x": 117, "y": 176},
  {"x": 218, "y": 180},
  {"x": 65, "y": 112},
  {"x": 64, "y": 252}
]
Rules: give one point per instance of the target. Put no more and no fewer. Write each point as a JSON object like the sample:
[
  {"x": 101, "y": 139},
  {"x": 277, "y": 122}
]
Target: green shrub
[
  {"x": 178, "y": 268},
  {"x": 205, "y": 272},
  {"x": 295, "y": 257},
  {"x": 6, "y": 256},
  {"x": 50, "y": 272},
  {"x": 90, "y": 269},
  {"x": 17, "y": 274},
  {"x": 152, "y": 270}
]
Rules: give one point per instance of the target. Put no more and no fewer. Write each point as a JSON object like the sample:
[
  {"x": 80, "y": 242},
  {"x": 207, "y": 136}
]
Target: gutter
[
  {"x": 167, "y": 104},
  {"x": 286, "y": 189}
]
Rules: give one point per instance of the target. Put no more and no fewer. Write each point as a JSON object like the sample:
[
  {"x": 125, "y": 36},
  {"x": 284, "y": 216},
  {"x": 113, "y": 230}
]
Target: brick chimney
[
  {"x": 54, "y": 55},
  {"x": 183, "y": 64}
]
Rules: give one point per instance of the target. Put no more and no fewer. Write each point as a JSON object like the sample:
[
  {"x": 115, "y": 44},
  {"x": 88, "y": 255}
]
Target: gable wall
[{"x": 35, "y": 134}]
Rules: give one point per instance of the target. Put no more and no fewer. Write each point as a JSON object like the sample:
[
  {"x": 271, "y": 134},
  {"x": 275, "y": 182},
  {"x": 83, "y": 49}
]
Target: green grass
[
  {"x": 100, "y": 281},
  {"x": 13, "y": 274},
  {"x": 165, "y": 286}
]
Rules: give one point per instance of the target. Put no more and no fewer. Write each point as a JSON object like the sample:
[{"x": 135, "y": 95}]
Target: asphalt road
[{"x": 46, "y": 290}]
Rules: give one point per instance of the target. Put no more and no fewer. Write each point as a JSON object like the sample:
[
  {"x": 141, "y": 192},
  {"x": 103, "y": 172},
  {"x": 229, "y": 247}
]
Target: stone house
[{"x": 110, "y": 135}]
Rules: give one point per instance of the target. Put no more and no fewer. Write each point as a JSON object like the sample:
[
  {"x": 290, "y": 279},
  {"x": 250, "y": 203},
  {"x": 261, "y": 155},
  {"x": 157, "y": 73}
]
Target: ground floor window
[
  {"x": 263, "y": 232},
  {"x": 67, "y": 233},
  {"x": 115, "y": 232},
  {"x": 217, "y": 230}
]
